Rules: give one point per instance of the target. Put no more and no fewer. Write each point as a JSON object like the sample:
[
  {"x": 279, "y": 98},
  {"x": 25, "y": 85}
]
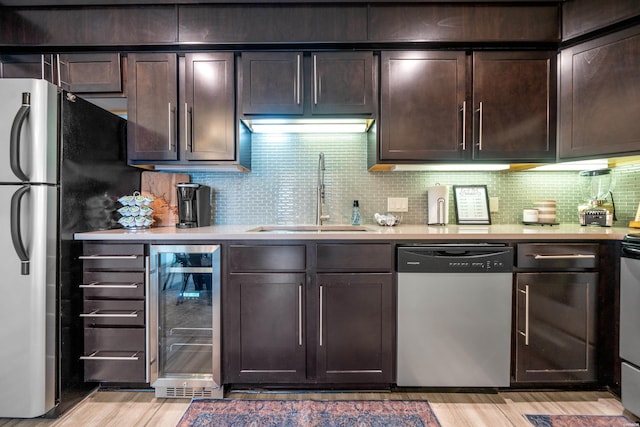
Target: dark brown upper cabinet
[
  {"x": 152, "y": 106},
  {"x": 27, "y": 66},
  {"x": 272, "y": 83},
  {"x": 272, "y": 22},
  {"x": 82, "y": 73},
  {"x": 422, "y": 105},
  {"x": 432, "y": 110},
  {"x": 89, "y": 26},
  {"x": 209, "y": 107},
  {"x": 307, "y": 84},
  {"x": 584, "y": 16},
  {"x": 514, "y": 106},
  {"x": 600, "y": 97},
  {"x": 464, "y": 22},
  {"x": 90, "y": 72},
  {"x": 197, "y": 126}
]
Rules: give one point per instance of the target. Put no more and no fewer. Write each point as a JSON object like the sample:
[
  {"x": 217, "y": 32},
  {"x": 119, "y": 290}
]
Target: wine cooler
[{"x": 184, "y": 321}]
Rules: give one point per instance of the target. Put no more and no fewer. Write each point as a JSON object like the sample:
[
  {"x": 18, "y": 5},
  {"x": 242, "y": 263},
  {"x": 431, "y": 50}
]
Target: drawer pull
[
  {"x": 567, "y": 256},
  {"x": 96, "y": 313},
  {"x": 108, "y": 257},
  {"x": 98, "y": 285},
  {"x": 94, "y": 356}
]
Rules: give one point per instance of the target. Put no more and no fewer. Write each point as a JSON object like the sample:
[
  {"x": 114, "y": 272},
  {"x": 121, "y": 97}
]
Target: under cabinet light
[
  {"x": 452, "y": 167},
  {"x": 573, "y": 166},
  {"x": 309, "y": 125}
]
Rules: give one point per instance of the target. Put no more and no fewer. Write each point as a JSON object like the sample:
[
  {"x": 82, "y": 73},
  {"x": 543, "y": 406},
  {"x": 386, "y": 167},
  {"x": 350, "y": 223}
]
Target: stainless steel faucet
[{"x": 320, "y": 192}]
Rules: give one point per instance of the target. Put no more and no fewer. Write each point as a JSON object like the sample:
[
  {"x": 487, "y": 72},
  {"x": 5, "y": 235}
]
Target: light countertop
[{"x": 400, "y": 232}]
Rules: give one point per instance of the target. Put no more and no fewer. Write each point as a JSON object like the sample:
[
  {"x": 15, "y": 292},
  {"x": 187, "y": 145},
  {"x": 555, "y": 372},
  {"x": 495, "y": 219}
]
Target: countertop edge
[{"x": 400, "y": 233}]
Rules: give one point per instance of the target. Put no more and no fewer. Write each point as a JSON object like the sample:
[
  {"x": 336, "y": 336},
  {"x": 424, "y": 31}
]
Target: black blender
[{"x": 194, "y": 209}]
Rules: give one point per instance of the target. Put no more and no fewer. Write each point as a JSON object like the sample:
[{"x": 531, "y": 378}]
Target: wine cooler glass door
[{"x": 186, "y": 290}]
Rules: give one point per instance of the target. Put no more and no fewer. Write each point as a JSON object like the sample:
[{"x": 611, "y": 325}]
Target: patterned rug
[
  {"x": 295, "y": 413},
  {"x": 580, "y": 421}
]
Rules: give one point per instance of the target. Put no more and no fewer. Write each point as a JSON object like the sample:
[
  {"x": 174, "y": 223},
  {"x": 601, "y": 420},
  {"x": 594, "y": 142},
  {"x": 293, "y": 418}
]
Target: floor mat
[
  {"x": 580, "y": 421},
  {"x": 261, "y": 413}
]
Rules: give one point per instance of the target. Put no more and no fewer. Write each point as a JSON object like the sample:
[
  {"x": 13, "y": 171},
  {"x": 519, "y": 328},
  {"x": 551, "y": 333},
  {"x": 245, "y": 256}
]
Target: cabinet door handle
[
  {"x": 298, "y": 77},
  {"x": 479, "y": 110},
  {"x": 98, "y": 285},
  {"x": 108, "y": 257},
  {"x": 187, "y": 125},
  {"x": 315, "y": 80},
  {"x": 300, "y": 315},
  {"x": 464, "y": 125},
  {"x": 96, "y": 313},
  {"x": 321, "y": 290},
  {"x": 94, "y": 356},
  {"x": 526, "y": 314},
  {"x": 170, "y": 116},
  {"x": 564, "y": 256}
]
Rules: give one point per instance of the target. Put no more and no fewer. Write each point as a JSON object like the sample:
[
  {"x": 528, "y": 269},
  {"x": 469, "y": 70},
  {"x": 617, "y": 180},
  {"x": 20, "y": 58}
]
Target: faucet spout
[{"x": 320, "y": 192}]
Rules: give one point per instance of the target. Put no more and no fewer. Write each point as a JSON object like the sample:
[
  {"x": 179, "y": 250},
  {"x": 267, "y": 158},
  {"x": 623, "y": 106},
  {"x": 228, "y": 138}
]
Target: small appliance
[
  {"x": 438, "y": 204},
  {"x": 194, "y": 209},
  {"x": 597, "y": 185}
]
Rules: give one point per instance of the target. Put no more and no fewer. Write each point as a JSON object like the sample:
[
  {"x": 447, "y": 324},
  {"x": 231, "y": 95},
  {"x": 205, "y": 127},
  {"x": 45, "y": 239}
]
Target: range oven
[{"x": 630, "y": 322}]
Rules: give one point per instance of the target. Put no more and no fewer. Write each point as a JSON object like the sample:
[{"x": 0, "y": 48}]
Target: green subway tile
[{"x": 281, "y": 188}]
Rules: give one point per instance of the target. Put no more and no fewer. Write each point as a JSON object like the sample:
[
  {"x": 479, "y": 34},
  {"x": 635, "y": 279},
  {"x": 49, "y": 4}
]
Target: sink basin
[{"x": 309, "y": 228}]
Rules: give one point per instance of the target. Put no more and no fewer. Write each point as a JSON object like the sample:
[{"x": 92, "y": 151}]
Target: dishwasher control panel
[{"x": 448, "y": 258}]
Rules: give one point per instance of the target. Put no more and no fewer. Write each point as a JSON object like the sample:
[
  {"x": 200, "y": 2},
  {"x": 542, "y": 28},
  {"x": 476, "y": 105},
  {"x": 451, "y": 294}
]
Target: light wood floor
[{"x": 130, "y": 408}]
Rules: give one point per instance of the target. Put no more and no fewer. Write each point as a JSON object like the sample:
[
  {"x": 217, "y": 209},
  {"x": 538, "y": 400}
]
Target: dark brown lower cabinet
[
  {"x": 267, "y": 339},
  {"x": 356, "y": 321},
  {"x": 556, "y": 327},
  {"x": 290, "y": 320}
]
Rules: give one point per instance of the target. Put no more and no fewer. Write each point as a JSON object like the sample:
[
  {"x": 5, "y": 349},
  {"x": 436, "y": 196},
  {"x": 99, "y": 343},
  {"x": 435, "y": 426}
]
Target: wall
[{"x": 281, "y": 188}]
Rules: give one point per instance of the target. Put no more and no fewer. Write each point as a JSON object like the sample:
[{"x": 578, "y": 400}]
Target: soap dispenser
[{"x": 355, "y": 213}]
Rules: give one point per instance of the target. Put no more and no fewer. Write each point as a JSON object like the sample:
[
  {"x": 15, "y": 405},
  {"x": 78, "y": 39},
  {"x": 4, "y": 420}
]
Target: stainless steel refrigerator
[{"x": 64, "y": 167}]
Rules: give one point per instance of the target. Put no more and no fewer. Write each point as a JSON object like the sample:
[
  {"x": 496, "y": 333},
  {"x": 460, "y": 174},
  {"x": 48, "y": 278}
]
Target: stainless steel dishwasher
[{"x": 454, "y": 315}]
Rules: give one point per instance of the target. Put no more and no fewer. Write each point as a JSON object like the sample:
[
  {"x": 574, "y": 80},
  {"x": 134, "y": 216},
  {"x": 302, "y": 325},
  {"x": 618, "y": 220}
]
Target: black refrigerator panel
[
  {"x": 92, "y": 174},
  {"x": 93, "y": 171}
]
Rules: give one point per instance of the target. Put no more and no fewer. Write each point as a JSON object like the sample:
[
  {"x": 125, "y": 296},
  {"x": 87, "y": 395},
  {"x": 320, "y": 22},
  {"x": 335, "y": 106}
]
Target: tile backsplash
[{"x": 281, "y": 187}]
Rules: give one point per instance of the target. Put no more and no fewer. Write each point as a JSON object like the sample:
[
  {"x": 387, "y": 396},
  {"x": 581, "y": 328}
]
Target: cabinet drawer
[
  {"x": 544, "y": 256},
  {"x": 99, "y": 256},
  {"x": 113, "y": 284},
  {"x": 114, "y": 340},
  {"x": 115, "y": 366},
  {"x": 355, "y": 257},
  {"x": 113, "y": 313},
  {"x": 267, "y": 258}
]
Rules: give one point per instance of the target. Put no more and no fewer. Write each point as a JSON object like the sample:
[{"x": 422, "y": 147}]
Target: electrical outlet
[
  {"x": 494, "y": 204},
  {"x": 397, "y": 204}
]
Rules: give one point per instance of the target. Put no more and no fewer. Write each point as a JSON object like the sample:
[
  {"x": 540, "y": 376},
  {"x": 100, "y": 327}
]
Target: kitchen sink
[{"x": 309, "y": 228}]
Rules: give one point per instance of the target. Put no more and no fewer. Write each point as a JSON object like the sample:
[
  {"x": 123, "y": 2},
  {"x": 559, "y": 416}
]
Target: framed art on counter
[{"x": 472, "y": 204}]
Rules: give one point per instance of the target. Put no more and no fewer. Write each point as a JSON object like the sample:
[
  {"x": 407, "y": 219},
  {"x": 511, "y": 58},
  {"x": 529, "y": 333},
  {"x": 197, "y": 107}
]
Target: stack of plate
[{"x": 546, "y": 210}]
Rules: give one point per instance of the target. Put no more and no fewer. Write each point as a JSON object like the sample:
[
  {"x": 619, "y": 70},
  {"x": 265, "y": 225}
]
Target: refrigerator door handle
[
  {"x": 16, "y": 237},
  {"x": 14, "y": 144}
]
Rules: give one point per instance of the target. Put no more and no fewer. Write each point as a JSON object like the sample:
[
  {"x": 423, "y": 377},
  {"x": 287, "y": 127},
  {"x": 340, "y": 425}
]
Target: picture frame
[{"x": 472, "y": 204}]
